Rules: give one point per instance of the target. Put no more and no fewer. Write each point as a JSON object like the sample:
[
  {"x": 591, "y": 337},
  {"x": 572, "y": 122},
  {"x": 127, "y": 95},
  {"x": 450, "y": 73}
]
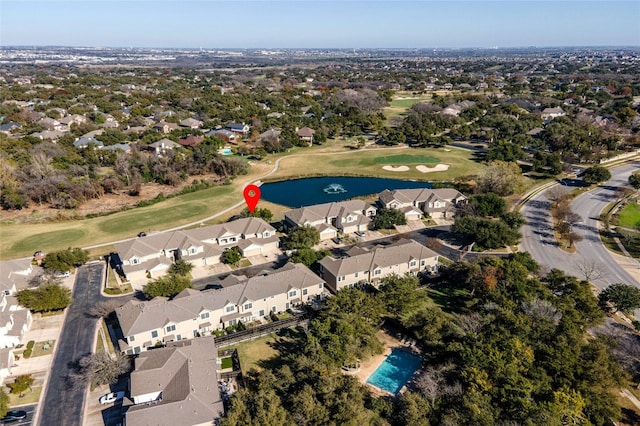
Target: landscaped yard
[
  {"x": 254, "y": 351},
  {"x": 31, "y": 396}
]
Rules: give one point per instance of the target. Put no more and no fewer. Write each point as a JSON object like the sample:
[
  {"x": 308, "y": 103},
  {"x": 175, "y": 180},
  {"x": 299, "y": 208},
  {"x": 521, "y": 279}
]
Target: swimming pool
[
  {"x": 395, "y": 371},
  {"x": 225, "y": 151}
]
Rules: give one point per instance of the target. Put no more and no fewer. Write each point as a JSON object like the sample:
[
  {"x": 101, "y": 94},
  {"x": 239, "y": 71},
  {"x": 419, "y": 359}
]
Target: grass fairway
[
  {"x": 629, "y": 216},
  {"x": 66, "y": 238},
  {"x": 370, "y": 162},
  {"x": 406, "y": 159}
]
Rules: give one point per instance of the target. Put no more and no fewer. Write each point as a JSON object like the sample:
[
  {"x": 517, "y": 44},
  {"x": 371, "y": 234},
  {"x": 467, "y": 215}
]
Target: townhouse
[
  {"x": 436, "y": 203},
  {"x": 370, "y": 266},
  {"x": 329, "y": 218},
  {"x": 176, "y": 385},
  {"x": 151, "y": 255},
  {"x": 193, "y": 313},
  {"x": 14, "y": 319}
]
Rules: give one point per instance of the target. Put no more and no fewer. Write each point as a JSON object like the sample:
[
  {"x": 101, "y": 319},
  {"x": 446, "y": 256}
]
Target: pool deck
[{"x": 369, "y": 366}]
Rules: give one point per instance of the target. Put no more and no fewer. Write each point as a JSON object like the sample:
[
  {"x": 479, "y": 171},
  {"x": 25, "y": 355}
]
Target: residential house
[
  {"x": 162, "y": 146},
  {"x": 306, "y": 135},
  {"x": 73, "y": 119},
  {"x": 191, "y": 141},
  {"x": 191, "y": 123},
  {"x": 9, "y": 127},
  {"x": 329, "y": 218},
  {"x": 224, "y": 134},
  {"x": 551, "y": 113},
  {"x": 370, "y": 266},
  {"x": 164, "y": 127},
  {"x": 85, "y": 142},
  {"x": 239, "y": 129},
  {"x": 436, "y": 203},
  {"x": 52, "y": 135},
  {"x": 195, "y": 313},
  {"x": 176, "y": 385},
  {"x": 154, "y": 253},
  {"x": 50, "y": 124}
]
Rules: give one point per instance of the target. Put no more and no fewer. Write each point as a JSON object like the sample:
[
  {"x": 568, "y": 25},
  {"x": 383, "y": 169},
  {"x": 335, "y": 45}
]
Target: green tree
[
  {"x": 167, "y": 286},
  {"x": 231, "y": 256},
  {"x": 46, "y": 298},
  {"x": 308, "y": 256},
  {"x": 634, "y": 179},
  {"x": 488, "y": 205},
  {"x": 65, "y": 260},
  {"x": 401, "y": 295},
  {"x": 596, "y": 174},
  {"x": 387, "y": 218},
  {"x": 622, "y": 297},
  {"x": 505, "y": 151},
  {"x": 21, "y": 384},
  {"x": 302, "y": 237},
  {"x": 181, "y": 267},
  {"x": 262, "y": 213}
]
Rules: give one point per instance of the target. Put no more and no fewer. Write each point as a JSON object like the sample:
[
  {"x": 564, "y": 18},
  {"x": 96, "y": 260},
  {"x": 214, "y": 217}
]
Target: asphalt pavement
[
  {"x": 539, "y": 240},
  {"x": 63, "y": 405}
]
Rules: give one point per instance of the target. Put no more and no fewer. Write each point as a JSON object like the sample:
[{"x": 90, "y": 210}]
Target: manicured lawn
[
  {"x": 62, "y": 238},
  {"x": 30, "y": 396},
  {"x": 406, "y": 159},
  {"x": 407, "y": 102},
  {"x": 629, "y": 216},
  {"x": 227, "y": 363},
  {"x": 365, "y": 163},
  {"x": 254, "y": 351}
]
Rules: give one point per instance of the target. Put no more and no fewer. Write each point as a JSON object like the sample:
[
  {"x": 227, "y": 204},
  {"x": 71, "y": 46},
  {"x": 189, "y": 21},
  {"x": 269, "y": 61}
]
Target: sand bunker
[
  {"x": 436, "y": 168},
  {"x": 396, "y": 169}
]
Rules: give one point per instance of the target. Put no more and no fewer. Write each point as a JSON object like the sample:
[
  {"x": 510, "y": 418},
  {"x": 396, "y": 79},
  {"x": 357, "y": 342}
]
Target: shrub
[
  {"x": 27, "y": 353},
  {"x": 31, "y": 344}
]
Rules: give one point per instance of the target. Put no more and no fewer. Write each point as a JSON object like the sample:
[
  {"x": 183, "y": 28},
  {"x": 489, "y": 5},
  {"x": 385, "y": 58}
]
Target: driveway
[{"x": 62, "y": 405}]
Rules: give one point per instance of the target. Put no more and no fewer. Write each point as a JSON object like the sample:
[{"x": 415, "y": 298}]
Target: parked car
[
  {"x": 360, "y": 233},
  {"x": 14, "y": 416},
  {"x": 60, "y": 274},
  {"x": 111, "y": 397}
]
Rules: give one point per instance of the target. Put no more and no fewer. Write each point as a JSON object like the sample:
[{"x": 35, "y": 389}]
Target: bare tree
[
  {"x": 434, "y": 243},
  {"x": 103, "y": 309},
  {"x": 99, "y": 369},
  {"x": 542, "y": 309},
  {"x": 557, "y": 193},
  {"x": 591, "y": 269}
]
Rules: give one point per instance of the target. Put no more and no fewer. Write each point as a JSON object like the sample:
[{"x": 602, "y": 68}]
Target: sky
[{"x": 319, "y": 23}]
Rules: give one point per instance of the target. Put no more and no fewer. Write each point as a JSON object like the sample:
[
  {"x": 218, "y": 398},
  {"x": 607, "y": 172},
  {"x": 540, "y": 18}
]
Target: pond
[{"x": 308, "y": 191}]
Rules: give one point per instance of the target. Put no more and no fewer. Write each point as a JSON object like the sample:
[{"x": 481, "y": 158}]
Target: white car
[
  {"x": 59, "y": 274},
  {"x": 111, "y": 397}
]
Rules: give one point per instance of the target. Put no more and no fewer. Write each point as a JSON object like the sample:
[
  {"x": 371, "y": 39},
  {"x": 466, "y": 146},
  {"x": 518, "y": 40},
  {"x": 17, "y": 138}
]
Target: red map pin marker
[{"x": 251, "y": 197}]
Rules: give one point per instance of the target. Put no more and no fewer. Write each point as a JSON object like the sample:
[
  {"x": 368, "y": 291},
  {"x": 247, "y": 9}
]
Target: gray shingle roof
[{"x": 186, "y": 374}]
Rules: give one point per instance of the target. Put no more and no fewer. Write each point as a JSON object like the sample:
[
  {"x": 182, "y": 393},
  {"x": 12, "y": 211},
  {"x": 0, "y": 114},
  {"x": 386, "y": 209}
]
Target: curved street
[{"x": 538, "y": 237}]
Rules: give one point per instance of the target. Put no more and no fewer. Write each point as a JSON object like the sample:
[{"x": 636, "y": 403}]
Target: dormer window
[
  {"x": 230, "y": 308},
  {"x": 135, "y": 261},
  {"x": 266, "y": 234},
  {"x": 192, "y": 250}
]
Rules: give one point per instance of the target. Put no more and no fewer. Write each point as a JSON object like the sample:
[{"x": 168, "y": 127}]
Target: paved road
[
  {"x": 62, "y": 405},
  {"x": 539, "y": 240}
]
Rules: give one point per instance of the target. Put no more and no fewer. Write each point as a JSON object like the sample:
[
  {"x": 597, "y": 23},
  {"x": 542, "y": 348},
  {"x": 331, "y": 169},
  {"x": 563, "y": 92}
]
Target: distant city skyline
[{"x": 319, "y": 24}]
